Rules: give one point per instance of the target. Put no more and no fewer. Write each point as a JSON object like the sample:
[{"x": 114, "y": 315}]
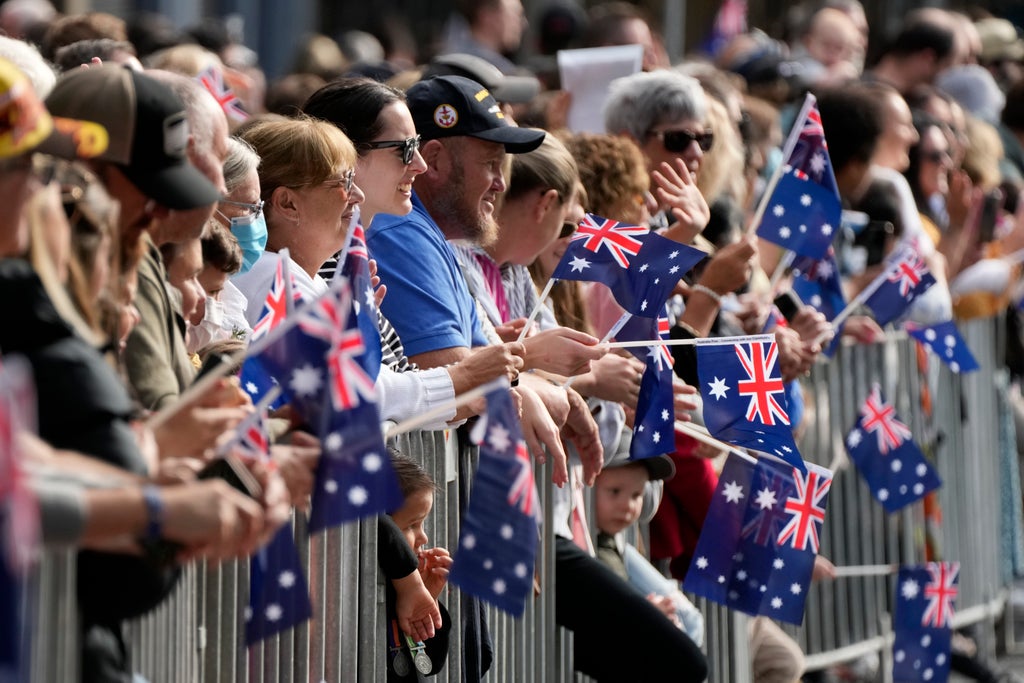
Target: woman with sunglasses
[
  {"x": 306, "y": 174},
  {"x": 375, "y": 117},
  {"x": 665, "y": 114}
]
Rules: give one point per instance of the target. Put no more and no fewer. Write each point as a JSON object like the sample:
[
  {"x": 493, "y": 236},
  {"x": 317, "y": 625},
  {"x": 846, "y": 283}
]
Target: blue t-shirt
[{"x": 427, "y": 301}]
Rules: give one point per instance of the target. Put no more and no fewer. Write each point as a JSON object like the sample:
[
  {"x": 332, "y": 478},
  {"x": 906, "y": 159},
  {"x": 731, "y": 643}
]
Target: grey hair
[
  {"x": 27, "y": 58},
  {"x": 638, "y": 103},
  {"x": 242, "y": 160},
  {"x": 201, "y": 108}
]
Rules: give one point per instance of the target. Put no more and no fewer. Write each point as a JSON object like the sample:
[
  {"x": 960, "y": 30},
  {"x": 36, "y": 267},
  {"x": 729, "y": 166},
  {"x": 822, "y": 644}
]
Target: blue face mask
[{"x": 251, "y": 233}]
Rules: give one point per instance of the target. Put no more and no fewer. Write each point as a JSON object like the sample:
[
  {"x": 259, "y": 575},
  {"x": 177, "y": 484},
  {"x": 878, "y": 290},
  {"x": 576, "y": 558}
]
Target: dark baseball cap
[
  {"x": 511, "y": 89},
  {"x": 449, "y": 106},
  {"x": 148, "y": 131}
]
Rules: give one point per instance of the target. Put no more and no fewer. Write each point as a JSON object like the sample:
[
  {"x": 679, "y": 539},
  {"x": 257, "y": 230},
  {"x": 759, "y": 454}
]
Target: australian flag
[
  {"x": 803, "y": 212},
  {"x": 278, "y": 592},
  {"x": 905, "y": 278},
  {"x": 498, "y": 540},
  {"x": 319, "y": 365},
  {"x": 639, "y": 266},
  {"x": 654, "y": 424},
  {"x": 756, "y": 550},
  {"x": 744, "y": 397},
  {"x": 818, "y": 285},
  {"x": 925, "y": 596},
  {"x": 356, "y": 267},
  {"x": 884, "y": 451},
  {"x": 278, "y": 305},
  {"x": 945, "y": 341}
]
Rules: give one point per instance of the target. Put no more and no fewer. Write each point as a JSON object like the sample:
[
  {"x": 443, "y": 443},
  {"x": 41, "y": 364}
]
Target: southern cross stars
[
  {"x": 718, "y": 388},
  {"x": 579, "y": 264},
  {"x": 733, "y": 492}
]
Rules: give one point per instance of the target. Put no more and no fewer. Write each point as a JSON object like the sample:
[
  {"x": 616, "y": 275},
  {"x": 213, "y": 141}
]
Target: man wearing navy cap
[{"x": 466, "y": 137}]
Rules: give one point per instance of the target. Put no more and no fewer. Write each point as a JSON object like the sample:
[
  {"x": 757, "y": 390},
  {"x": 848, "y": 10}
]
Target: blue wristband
[{"x": 154, "y": 511}]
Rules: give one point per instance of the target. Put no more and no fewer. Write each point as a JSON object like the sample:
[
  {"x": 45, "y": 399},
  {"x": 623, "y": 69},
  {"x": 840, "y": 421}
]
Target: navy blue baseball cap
[{"x": 449, "y": 106}]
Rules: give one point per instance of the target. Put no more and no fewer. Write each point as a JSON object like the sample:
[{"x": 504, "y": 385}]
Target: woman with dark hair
[{"x": 376, "y": 119}]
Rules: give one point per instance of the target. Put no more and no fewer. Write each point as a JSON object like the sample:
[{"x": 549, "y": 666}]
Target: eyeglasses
[
  {"x": 255, "y": 209},
  {"x": 568, "y": 228},
  {"x": 345, "y": 182},
  {"x": 408, "y": 147},
  {"x": 679, "y": 140}
]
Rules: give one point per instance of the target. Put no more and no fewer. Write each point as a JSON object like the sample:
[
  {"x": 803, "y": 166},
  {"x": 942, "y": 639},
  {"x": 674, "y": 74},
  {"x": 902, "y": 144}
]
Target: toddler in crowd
[
  {"x": 618, "y": 500},
  {"x": 407, "y": 659}
]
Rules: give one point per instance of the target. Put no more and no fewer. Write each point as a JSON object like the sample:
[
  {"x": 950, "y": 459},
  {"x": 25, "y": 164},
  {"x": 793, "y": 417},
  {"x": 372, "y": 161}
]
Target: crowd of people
[{"x": 146, "y": 212}]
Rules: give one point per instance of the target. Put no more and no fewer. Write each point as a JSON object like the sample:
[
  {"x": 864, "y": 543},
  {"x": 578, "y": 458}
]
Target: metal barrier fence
[{"x": 197, "y": 634}]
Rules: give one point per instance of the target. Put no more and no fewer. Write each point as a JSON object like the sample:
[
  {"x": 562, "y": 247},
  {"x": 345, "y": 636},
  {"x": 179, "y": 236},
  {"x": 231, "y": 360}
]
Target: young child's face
[
  {"x": 411, "y": 515},
  {"x": 618, "y": 497}
]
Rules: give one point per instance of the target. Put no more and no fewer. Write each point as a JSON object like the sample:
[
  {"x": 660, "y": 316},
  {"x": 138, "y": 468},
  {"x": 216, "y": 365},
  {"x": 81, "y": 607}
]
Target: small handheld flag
[{"x": 885, "y": 454}]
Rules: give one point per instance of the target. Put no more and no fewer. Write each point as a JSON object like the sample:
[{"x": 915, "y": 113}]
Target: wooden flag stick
[
  {"x": 417, "y": 421},
  {"x": 866, "y": 570},
  {"x": 794, "y": 136},
  {"x": 701, "y": 435},
  {"x": 536, "y": 309},
  {"x": 864, "y": 295}
]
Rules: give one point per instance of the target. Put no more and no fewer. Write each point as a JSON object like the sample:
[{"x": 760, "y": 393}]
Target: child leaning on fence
[{"x": 409, "y": 659}]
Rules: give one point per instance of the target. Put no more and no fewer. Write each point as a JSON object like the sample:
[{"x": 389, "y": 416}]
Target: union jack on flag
[
  {"x": 760, "y": 386},
  {"x": 498, "y": 539},
  {"x": 879, "y": 418},
  {"x": 806, "y": 510},
  {"x": 618, "y": 238},
  {"x": 922, "y": 621},
  {"x": 326, "y": 319},
  {"x": 639, "y": 266},
  {"x": 905, "y": 278},
  {"x": 742, "y": 559},
  {"x": 523, "y": 492},
  {"x": 278, "y": 303},
  {"x": 744, "y": 397},
  {"x": 891, "y": 464},
  {"x": 941, "y": 591},
  {"x": 908, "y": 274},
  {"x": 212, "y": 78}
]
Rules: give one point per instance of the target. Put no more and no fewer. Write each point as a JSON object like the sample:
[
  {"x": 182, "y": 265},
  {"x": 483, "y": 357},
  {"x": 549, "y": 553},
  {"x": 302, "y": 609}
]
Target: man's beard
[{"x": 461, "y": 219}]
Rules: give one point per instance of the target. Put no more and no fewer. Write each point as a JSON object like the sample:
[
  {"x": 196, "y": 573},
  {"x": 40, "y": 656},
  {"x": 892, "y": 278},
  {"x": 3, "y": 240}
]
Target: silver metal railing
[{"x": 197, "y": 634}]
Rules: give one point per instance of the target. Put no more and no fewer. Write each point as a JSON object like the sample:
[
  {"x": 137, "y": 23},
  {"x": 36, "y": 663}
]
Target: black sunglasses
[
  {"x": 678, "y": 140},
  {"x": 568, "y": 228},
  {"x": 408, "y": 145}
]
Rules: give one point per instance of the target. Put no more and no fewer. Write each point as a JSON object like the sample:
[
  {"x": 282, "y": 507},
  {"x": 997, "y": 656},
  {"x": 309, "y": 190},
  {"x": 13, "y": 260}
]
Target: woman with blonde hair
[{"x": 307, "y": 174}]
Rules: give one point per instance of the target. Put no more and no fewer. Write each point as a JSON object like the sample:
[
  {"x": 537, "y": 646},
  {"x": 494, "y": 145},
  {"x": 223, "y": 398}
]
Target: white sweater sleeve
[{"x": 401, "y": 395}]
